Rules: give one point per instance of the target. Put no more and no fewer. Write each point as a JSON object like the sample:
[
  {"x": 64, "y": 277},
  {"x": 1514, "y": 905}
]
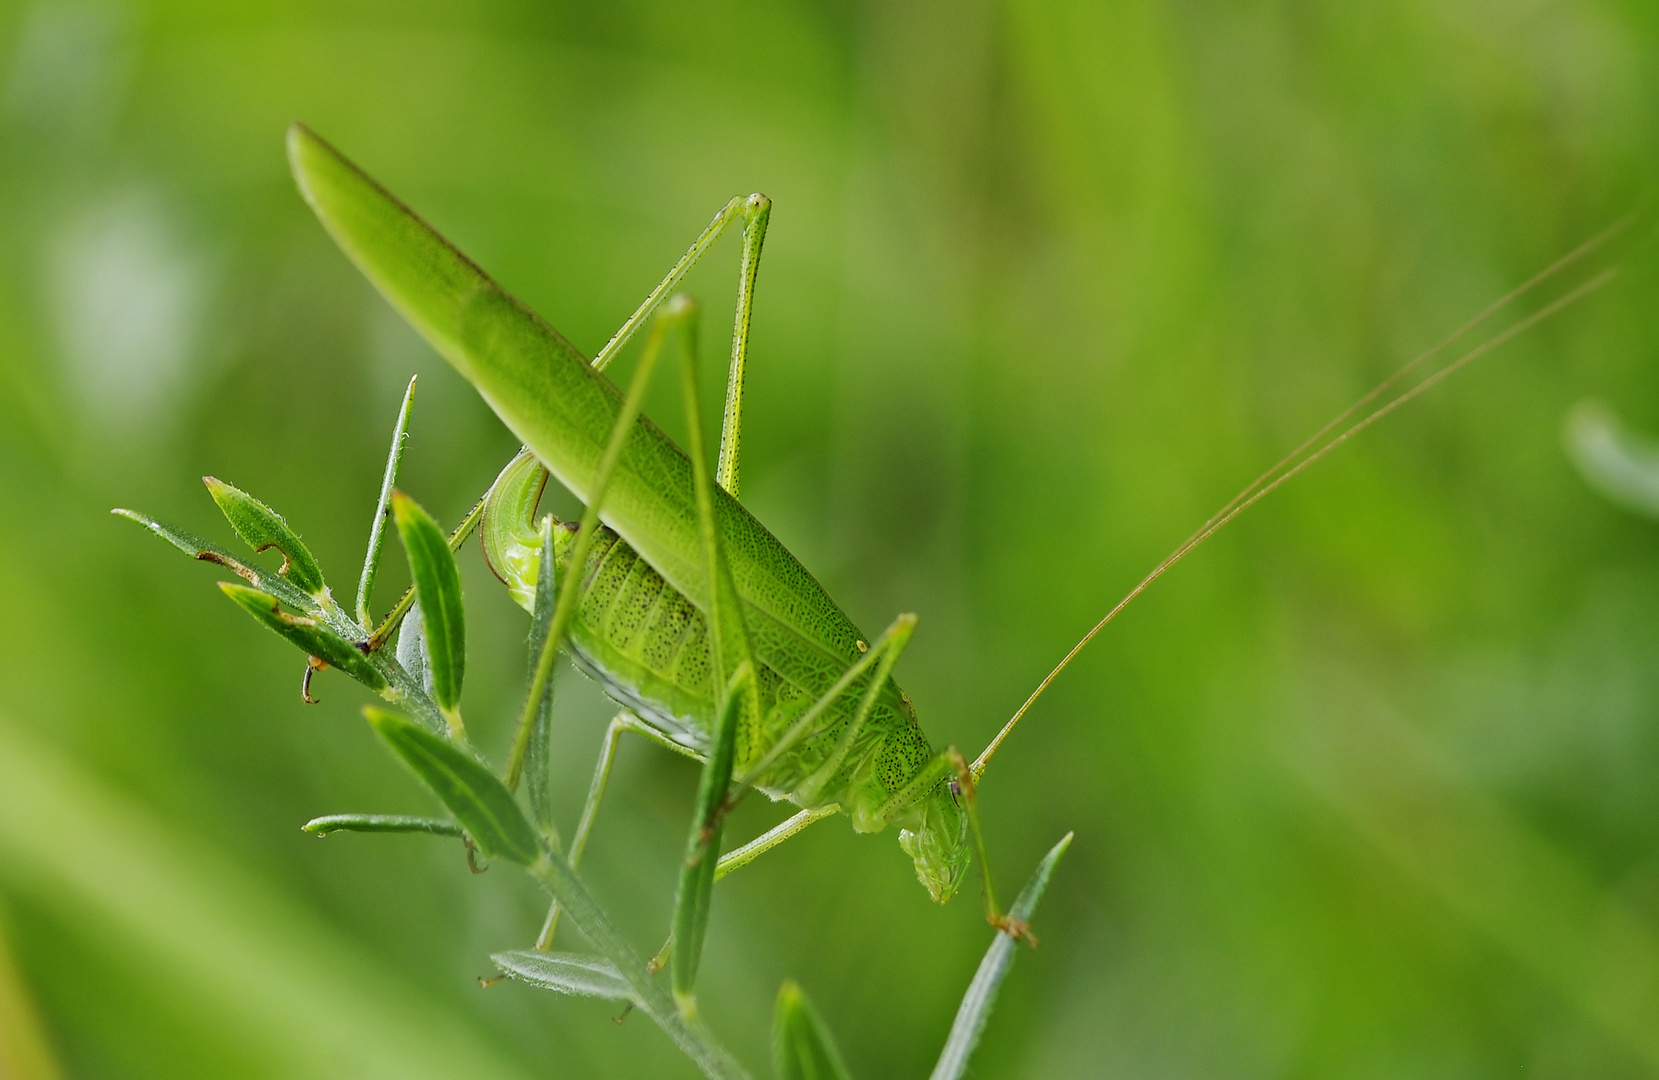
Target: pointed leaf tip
[
  {"x": 264, "y": 528},
  {"x": 418, "y": 271},
  {"x": 377, "y": 527},
  {"x": 438, "y": 588},
  {"x": 975, "y": 1009},
  {"x": 312, "y": 637},
  {"x": 801, "y": 1045},
  {"x": 479, "y": 800}
]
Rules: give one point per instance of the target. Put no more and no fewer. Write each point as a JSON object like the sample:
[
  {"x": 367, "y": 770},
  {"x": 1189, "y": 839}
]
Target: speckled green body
[
  {"x": 640, "y": 627},
  {"x": 648, "y": 645}
]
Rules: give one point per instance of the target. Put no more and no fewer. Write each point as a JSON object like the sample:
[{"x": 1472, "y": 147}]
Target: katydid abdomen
[{"x": 647, "y": 644}]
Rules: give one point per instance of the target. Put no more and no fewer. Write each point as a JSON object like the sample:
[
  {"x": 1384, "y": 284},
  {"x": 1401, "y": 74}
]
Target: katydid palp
[{"x": 824, "y": 724}]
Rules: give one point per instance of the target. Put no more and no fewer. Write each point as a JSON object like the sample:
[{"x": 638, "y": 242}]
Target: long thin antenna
[{"x": 1289, "y": 465}]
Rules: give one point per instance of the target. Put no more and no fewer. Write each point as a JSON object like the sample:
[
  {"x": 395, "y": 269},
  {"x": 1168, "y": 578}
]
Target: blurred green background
[{"x": 1367, "y": 787}]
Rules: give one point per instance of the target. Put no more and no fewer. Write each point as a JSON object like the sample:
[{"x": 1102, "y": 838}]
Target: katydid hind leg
[
  {"x": 735, "y": 210},
  {"x": 622, "y": 722},
  {"x": 757, "y": 211}
]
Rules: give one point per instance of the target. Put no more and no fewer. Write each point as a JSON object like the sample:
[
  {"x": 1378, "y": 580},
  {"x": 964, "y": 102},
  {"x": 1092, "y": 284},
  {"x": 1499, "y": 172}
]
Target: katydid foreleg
[{"x": 963, "y": 787}]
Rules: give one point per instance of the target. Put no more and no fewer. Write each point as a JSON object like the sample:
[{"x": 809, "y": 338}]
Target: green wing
[{"x": 545, "y": 391}]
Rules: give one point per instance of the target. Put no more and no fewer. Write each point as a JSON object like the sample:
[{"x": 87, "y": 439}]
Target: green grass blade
[
  {"x": 207, "y": 551},
  {"x": 975, "y": 1009},
  {"x": 734, "y": 670},
  {"x": 264, "y": 528},
  {"x": 377, "y": 529},
  {"x": 312, "y": 636},
  {"x": 538, "y": 759},
  {"x": 697, "y": 872},
  {"x": 567, "y": 973},
  {"x": 801, "y": 1045},
  {"x": 380, "y": 823},
  {"x": 480, "y": 802},
  {"x": 438, "y": 587}
]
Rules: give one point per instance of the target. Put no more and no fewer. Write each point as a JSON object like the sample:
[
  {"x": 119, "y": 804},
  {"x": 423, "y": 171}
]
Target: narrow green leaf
[
  {"x": 567, "y": 973},
  {"x": 697, "y": 872},
  {"x": 508, "y": 534},
  {"x": 438, "y": 587},
  {"x": 312, "y": 636},
  {"x": 480, "y": 802},
  {"x": 264, "y": 528},
  {"x": 207, "y": 551},
  {"x": 538, "y": 760},
  {"x": 377, "y": 823},
  {"x": 801, "y": 1045},
  {"x": 982, "y": 991},
  {"x": 377, "y": 530}
]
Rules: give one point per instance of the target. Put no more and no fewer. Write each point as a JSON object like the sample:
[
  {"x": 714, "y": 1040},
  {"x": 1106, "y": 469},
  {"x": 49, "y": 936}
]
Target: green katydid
[{"x": 821, "y": 721}]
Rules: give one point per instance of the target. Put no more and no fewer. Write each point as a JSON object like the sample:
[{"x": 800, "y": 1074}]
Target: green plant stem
[{"x": 691, "y": 1037}]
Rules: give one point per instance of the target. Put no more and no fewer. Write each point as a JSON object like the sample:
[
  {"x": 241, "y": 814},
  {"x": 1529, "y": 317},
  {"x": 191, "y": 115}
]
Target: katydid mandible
[{"x": 640, "y": 582}]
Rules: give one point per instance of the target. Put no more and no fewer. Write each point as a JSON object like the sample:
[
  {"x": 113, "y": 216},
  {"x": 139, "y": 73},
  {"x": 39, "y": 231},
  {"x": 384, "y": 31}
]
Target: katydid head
[{"x": 939, "y": 842}]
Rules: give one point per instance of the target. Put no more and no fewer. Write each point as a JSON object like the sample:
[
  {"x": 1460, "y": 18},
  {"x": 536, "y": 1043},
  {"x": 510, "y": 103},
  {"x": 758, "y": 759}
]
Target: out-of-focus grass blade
[
  {"x": 241, "y": 962},
  {"x": 1616, "y": 462},
  {"x": 312, "y": 636},
  {"x": 982, "y": 991},
  {"x": 801, "y": 1045},
  {"x": 538, "y": 760},
  {"x": 377, "y": 823},
  {"x": 377, "y": 530},
  {"x": 25, "y": 1053},
  {"x": 478, "y": 799},
  {"x": 207, "y": 551},
  {"x": 508, "y": 532},
  {"x": 567, "y": 973},
  {"x": 264, "y": 528},
  {"x": 438, "y": 587}
]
